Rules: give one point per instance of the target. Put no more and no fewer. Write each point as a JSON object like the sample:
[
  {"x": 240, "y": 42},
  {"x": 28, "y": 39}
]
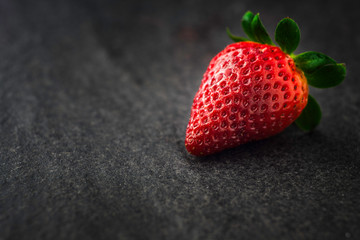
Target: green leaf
[
  {"x": 235, "y": 38},
  {"x": 310, "y": 116},
  {"x": 246, "y": 24},
  {"x": 287, "y": 35},
  {"x": 259, "y": 31},
  {"x": 327, "y": 76},
  {"x": 311, "y": 61}
]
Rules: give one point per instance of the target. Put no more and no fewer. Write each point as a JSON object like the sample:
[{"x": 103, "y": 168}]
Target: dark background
[{"x": 95, "y": 97}]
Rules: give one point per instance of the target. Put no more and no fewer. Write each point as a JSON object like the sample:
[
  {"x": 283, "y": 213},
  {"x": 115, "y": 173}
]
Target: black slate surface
[{"x": 94, "y": 102}]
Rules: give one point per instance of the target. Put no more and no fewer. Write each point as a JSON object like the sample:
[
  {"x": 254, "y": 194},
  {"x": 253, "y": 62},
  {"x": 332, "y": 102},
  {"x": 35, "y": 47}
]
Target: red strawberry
[{"x": 252, "y": 89}]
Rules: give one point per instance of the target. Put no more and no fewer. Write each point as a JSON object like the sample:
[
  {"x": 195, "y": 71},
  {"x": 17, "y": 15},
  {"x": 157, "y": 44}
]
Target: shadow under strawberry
[{"x": 287, "y": 149}]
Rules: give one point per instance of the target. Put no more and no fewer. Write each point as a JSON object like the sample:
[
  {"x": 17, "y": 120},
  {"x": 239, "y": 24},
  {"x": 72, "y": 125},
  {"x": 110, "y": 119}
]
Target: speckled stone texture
[{"x": 95, "y": 97}]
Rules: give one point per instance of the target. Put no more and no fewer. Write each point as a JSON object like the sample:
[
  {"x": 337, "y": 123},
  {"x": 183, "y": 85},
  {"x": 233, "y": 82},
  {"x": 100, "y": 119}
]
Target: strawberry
[{"x": 253, "y": 89}]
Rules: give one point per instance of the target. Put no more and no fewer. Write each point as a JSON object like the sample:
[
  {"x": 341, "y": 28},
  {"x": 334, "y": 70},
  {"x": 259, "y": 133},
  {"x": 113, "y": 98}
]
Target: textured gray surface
[{"x": 94, "y": 103}]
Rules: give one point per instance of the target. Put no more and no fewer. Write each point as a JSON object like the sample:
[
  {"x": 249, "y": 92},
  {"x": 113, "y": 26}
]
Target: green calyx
[
  {"x": 320, "y": 70},
  {"x": 254, "y": 28}
]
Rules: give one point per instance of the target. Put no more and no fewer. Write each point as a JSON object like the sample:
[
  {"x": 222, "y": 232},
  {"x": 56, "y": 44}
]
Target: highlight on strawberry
[{"x": 253, "y": 89}]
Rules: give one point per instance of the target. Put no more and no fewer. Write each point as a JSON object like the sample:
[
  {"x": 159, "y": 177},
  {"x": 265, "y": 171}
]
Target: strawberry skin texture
[{"x": 250, "y": 91}]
